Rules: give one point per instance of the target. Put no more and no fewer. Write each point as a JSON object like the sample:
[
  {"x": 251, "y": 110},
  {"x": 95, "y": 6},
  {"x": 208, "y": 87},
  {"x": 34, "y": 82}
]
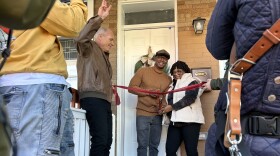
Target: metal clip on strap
[{"x": 233, "y": 149}]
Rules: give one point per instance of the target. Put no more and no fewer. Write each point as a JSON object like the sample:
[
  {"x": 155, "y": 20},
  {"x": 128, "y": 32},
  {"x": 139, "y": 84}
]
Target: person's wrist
[
  {"x": 100, "y": 16},
  {"x": 170, "y": 108},
  {"x": 103, "y": 17}
]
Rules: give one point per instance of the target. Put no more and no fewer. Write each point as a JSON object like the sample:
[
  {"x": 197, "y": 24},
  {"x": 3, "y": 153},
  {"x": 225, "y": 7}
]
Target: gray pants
[{"x": 148, "y": 134}]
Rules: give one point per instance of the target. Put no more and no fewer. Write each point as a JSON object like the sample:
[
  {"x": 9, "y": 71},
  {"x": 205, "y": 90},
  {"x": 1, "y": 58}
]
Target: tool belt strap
[{"x": 270, "y": 37}]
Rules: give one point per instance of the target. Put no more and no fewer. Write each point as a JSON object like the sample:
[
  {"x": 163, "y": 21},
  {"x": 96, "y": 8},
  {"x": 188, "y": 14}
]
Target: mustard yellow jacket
[{"x": 38, "y": 50}]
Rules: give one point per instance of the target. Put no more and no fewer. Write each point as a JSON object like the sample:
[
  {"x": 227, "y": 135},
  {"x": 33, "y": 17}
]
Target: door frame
[{"x": 121, "y": 28}]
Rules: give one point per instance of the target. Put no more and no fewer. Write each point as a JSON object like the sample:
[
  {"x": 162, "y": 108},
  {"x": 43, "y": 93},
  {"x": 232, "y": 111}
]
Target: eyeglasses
[
  {"x": 162, "y": 58},
  {"x": 177, "y": 71}
]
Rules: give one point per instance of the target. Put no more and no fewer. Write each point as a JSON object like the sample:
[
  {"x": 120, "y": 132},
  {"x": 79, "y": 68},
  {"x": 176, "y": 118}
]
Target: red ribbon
[
  {"x": 117, "y": 98},
  {"x": 6, "y": 30}
]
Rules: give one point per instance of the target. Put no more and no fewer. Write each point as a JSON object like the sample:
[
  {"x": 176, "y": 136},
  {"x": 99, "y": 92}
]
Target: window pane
[
  {"x": 69, "y": 49},
  {"x": 157, "y": 16}
]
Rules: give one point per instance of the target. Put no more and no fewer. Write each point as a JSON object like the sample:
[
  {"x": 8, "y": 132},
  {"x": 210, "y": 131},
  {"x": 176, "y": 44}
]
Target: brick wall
[{"x": 193, "y": 51}]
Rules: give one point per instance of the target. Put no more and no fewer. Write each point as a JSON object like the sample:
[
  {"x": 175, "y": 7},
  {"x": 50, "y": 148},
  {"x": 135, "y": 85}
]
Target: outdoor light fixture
[{"x": 198, "y": 25}]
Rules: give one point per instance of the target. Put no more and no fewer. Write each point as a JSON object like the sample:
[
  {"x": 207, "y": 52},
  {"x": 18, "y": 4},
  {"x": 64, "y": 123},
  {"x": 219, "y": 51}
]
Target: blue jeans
[
  {"x": 41, "y": 119},
  {"x": 148, "y": 134}
]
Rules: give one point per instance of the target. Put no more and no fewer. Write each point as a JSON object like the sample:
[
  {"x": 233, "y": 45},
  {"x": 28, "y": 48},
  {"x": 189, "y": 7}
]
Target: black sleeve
[{"x": 188, "y": 99}]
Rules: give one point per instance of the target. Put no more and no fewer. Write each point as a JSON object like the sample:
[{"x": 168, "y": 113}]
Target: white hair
[{"x": 100, "y": 31}]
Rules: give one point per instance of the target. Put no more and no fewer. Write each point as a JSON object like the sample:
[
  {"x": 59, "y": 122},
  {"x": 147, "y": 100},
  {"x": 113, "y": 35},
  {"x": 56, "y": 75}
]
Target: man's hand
[
  {"x": 104, "y": 9},
  {"x": 207, "y": 85}
]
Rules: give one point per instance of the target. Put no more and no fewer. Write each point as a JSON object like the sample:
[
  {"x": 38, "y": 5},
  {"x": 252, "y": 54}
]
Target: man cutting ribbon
[{"x": 148, "y": 119}]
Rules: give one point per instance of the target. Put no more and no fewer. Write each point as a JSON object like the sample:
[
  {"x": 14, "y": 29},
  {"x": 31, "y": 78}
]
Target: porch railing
[{"x": 82, "y": 136}]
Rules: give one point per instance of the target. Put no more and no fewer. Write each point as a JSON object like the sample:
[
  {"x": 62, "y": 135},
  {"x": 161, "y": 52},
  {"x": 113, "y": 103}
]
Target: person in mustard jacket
[{"x": 33, "y": 83}]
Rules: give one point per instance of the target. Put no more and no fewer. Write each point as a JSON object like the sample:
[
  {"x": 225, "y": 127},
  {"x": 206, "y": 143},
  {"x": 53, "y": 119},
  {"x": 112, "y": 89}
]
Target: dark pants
[
  {"x": 189, "y": 134},
  {"x": 99, "y": 118}
]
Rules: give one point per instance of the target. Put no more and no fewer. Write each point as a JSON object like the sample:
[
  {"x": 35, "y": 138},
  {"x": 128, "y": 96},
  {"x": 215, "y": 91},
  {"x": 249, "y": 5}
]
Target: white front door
[{"x": 137, "y": 43}]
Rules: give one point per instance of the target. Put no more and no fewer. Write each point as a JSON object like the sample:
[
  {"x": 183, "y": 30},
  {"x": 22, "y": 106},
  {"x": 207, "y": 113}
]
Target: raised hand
[{"x": 104, "y": 9}]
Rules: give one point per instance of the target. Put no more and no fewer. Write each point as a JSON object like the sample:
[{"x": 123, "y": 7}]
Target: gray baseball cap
[{"x": 163, "y": 53}]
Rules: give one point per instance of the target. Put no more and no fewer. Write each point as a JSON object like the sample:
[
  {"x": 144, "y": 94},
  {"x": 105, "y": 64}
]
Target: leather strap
[
  {"x": 233, "y": 123},
  {"x": 234, "y": 107},
  {"x": 270, "y": 37}
]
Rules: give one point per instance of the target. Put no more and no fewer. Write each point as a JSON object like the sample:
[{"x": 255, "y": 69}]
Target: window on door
[{"x": 156, "y": 16}]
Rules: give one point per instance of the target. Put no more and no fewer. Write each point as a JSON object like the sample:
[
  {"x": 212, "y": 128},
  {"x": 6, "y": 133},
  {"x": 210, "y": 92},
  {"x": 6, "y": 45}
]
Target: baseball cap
[{"x": 163, "y": 53}]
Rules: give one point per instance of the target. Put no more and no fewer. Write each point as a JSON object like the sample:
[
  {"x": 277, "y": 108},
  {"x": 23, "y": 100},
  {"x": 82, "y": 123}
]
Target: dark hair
[{"x": 180, "y": 65}]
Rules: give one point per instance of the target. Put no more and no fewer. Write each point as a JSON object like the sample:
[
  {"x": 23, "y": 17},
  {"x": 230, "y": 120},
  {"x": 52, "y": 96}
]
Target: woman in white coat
[{"x": 186, "y": 112}]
